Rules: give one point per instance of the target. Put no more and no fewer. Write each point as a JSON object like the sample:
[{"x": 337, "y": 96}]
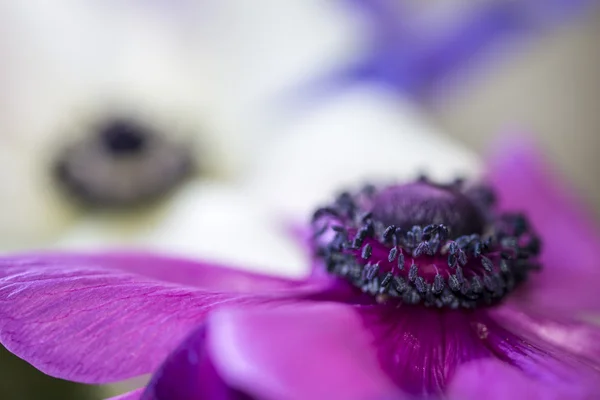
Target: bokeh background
[{"x": 155, "y": 123}]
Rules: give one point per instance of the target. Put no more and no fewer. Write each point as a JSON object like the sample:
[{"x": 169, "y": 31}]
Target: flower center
[
  {"x": 439, "y": 245},
  {"x": 424, "y": 204},
  {"x": 123, "y": 137},
  {"x": 122, "y": 163}
]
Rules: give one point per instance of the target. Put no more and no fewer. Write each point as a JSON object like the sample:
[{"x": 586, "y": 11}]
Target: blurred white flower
[
  {"x": 67, "y": 67},
  {"x": 224, "y": 85},
  {"x": 197, "y": 73}
]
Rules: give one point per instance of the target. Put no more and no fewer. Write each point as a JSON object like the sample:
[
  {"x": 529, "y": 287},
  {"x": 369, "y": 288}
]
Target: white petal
[
  {"x": 32, "y": 211},
  {"x": 361, "y": 134},
  {"x": 262, "y": 51},
  {"x": 205, "y": 220}
]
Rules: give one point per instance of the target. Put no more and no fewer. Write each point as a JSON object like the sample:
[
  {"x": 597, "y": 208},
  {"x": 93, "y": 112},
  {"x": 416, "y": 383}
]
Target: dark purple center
[
  {"x": 439, "y": 245},
  {"x": 423, "y": 204},
  {"x": 122, "y": 137}
]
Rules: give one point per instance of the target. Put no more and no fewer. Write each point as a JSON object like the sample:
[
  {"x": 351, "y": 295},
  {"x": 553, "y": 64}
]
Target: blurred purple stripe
[{"x": 415, "y": 57}]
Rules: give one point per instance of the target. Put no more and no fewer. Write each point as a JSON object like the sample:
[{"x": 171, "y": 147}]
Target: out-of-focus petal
[
  {"x": 32, "y": 210},
  {"x": 189, "y": 374},
  {"x": 415, "y": 50},
  {"x": 73, "y": 64},
  {"x": 133, "y": 395},
  {"x": 361, "y": 134},
  {"x": 301, "y": 351},
  {"x": 74, "y": 318},
  {"x": 544, "y": 356},
  {"x": 579, "y": 339},
  {"x": 492, "y": 379},
  {"x": 526, "y": 182},
  {"x": 204, "y": 220},
  {"x": 261, "y": 53}
]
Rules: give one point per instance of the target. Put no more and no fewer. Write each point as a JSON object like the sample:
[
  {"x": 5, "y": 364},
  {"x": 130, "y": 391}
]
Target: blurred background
[{"x": 160, "y": 124}]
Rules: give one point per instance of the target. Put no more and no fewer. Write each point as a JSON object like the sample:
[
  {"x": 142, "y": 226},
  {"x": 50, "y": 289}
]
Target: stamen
[
  {"x": 366, "y": 252},
  {"x": 392, "y": 254},
  {"x": 460, "y": 252}
]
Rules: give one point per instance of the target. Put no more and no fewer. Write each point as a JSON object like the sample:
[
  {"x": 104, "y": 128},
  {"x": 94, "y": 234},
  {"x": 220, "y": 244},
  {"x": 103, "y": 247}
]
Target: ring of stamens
[{"x": 447, "y": 249}]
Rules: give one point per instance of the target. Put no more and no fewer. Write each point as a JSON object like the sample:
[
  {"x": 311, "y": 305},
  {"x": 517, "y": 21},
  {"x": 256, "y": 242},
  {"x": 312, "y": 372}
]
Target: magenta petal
[
  {"x": 73, "y": 318},
  {"x": 301, "y": 351},
  {"x": 420, "y": 348},
  {"x": 577, "y": 339},
  {"x": 206, "y": 275},
  {"x": 544, "y": 356},
  {"x": 189, "y": 374},
  {"x": 492, "y": 379},
  {"x": 524, "y": 182}
]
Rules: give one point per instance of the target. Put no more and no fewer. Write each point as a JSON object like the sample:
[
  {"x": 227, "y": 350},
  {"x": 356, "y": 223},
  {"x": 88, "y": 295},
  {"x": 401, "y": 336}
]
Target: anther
[
  {"x": 476, "y": 284},
  {"x": 462, "y": 257},
  {"x": 411, "y": 297},
  {"x": 366, "y": 251},
  {"x": 438, "y": 284},
  {"x": 420, "y": 285},
  {"x": 362, "y": 234},
  {"x": 387, "y": 279},
  {"x": 453, "y": 247},
  {"x": 324, "y": 211},
  {"x": 413, "y": 272},
  {"x": 392, "y": 254},
  {"x": 459, "y": 275},
  {"x": 487, "y": 264},
  {"x": 400, "y": 284},
  {"x": 388, "y": 233},
  {"x": 453, "y": 283},
  {"x": 422, "y": 248},
  {"x": 366, "y": 217},
  {"x": 428, "y": 231},
  {"x": 452, "y": 260},
  {"x": 401, "y": 261},
  {"x": 373, "y": 271}
]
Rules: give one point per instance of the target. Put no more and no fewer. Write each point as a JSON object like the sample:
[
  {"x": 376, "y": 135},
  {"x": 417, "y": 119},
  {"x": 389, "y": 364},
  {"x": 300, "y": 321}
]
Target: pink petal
[
  {"x": 571, "y": 239},
  {"x": 301, "y": 351},
  {"x": 547, "y": 357},
  {"x": 492, "y": 379},
  {"x": 74, "y": 318},
  {"x": 134, "y": 395},
  {"x": 313, "y": 350},
  {"x": 579, "y": 339},
  {"x": 201, "y": 274},
  {"x": 420, "y": 348},
  {"x": 189, "y": 374}
]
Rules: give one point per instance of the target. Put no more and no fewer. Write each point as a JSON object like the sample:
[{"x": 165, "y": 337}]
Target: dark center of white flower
[
  {"x": 122, "y": 163},
  {"x": 122, "y": 137}
]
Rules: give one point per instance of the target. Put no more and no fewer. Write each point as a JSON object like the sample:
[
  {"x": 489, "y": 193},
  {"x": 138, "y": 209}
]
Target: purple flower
[
  {"x": 416, "y": 50},
  {"x": 417, "y": 289}
]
